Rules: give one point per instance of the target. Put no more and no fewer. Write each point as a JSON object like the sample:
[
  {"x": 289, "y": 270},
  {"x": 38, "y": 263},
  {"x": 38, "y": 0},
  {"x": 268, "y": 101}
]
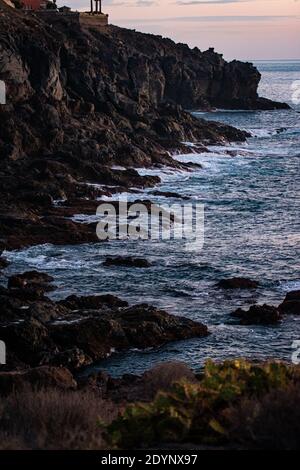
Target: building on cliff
[{"x": 95, "y": 17}]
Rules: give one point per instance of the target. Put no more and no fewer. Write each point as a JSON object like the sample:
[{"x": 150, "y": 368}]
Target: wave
[
  {"x": 288, "y": 286},
  {"x": 265, "y": 132}
]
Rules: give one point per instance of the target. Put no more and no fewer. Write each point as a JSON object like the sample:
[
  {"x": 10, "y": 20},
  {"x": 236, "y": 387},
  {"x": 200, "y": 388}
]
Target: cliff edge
[{"x": 82, "y": 100}]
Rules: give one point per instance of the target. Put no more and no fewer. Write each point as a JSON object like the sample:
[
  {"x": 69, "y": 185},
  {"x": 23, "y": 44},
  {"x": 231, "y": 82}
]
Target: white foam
[
  {"x": 125, "y": 196},
  {"x": 262, "y": 133},
  {"x": 85, "y": 218},
  {"x": 118, "y": 167},
  {"x": 166, "y": 173},
  {"x": 289, "y": 286},
  {"x": 68, "y": 322}
]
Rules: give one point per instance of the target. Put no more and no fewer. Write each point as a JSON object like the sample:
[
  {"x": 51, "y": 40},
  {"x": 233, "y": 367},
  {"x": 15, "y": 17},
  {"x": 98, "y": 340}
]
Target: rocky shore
[
  {"x": 78, "y": 331},
  {"x": 82, "y": 101},
  {"x": 86, "y": 108}
]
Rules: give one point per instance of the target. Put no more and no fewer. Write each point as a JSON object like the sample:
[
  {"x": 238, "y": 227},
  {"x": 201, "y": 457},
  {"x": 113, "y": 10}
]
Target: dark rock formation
[
  {"x": 39, "y": 377},
  {"x": 127, "y": 261},
  {"x": 30, "y": 278},
  {"x": 3, "y": 263},
  {"x": 238, "y": 283},
  {"x": 169, "y": 194},
  {"x": 77, "y": 331},
  {"x": 81, "y": 101},
  {"x": 258, "y": 315},
  {"x": 291, "y": 303},
  {"x": 73, "y": 302}
]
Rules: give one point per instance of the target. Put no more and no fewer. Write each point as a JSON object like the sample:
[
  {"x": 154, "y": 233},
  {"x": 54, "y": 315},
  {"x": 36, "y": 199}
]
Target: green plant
[
  {"x": 196, "y": 411},
  {"x": 232, "y": 379}
]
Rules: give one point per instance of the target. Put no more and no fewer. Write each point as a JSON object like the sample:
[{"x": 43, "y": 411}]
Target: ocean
[{"x": 251, "y": 200}]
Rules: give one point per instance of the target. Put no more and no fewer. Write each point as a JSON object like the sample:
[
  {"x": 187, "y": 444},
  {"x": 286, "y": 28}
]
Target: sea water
[{"x": 251, "y": 200}]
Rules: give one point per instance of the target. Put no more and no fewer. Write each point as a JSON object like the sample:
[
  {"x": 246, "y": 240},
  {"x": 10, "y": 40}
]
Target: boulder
[
  {"x": 291, "y": 303},
  {"x": 127, "y": 261},
  {"x": 28, "y": 339},
  {"x": 46, "y": 310},
  {"x": 30, "y": 293},
  {"x": 98, "y": 333},
  {"x": 79, "y": 330},
  {"x": 258, "y": 315},
  {"x": 29, "y": 278},
  {"x": 73, "y": 302},
  {"x": 3, "y": 263},
  {"x": 39, "y": 377},
  {"x": 73, "y": 359},
  {"x": 238, "y": 283}
]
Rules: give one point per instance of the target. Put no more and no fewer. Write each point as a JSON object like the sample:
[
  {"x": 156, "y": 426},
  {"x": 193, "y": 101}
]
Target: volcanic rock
[
  {"x": 73, "y": 302},
  {"x": 104, "y": 97},
  {"x": 29, "y": 277},
  {"x": 291, "y": 303},
  {"x": 127, "y": 261},
  {"x": 39, "y": 377},
  {"x": 3, "y": 263},
  {"x": 238, "y": 283},
  {"x": 258, "y": 315},
  {"x": 77, "y": 331}
]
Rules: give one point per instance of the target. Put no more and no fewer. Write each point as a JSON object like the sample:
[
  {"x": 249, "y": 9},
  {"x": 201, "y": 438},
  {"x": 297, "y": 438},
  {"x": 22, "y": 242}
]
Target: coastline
[{"x": 50, "y": 342}]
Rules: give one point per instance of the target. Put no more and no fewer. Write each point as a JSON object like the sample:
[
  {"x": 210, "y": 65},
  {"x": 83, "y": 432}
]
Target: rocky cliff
[{"x": 82, "y": 100}]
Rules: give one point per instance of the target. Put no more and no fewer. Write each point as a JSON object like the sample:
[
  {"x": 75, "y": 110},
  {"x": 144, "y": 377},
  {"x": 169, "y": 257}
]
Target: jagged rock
[
  {"x": 258, "y": 315},
  {"x": 238, "y": 283},
  {"x": 74, "y": 302},
  {"x": 46, "y": 310},
  {"x": 39, "y": 377},
  {"x": 79, "y": 330},
  {"x": 3, "y": 263},
  {"x": 99, "y": 333},
  {"x": 114, "y": 95},
  {"x": 29, "y": 278},
  {"x": 169, "y": 194},
  {"x": 73, "y": 359},
  {"x": 30, "y": 293},
  {"x": 291, "y": 303},
  {"x": 21, "y": 231},
  {"x": 10, "y": 306},
  {"x": 127, "y": 261},
  {"x": 27, "y": 338}
]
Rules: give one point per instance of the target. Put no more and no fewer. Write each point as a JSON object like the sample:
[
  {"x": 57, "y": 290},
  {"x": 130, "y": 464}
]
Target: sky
[{"x": 240, "y": 29}]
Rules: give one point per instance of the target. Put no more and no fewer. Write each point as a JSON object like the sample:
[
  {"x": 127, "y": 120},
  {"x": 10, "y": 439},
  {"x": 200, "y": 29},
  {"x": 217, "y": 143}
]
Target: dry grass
[
  {"x": 273, "y": 422},
  {"x": 51, "y": 419},
  {"x": 163, "y": 376},
  {"x": 54, "y": 419}
]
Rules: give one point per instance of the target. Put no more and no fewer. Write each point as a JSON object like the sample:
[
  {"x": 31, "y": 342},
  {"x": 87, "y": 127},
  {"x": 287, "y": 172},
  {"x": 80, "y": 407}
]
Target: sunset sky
[{"x": 242, "y": 29}]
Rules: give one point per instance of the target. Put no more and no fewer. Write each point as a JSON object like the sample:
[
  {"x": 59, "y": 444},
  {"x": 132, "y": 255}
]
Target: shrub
[
  {"x": 232, "y": 379},
  {"x": 163, "y": 376},
  {"x": 195, "y": 412},
  {"x": 270, "y": 423},
  {"x": 52, "y": 419}
]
